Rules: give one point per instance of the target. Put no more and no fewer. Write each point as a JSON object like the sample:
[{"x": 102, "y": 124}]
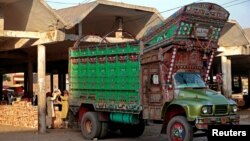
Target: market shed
[
  {"x": 25, "y": 27},
  {"x": 25, "y": 24},
  {"x": 233, "y": 58}
]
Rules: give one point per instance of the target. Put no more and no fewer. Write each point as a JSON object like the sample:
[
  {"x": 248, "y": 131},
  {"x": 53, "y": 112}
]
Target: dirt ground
[
  {"x": 8, "y": 133},
  {"x": 151, "y": 133}
]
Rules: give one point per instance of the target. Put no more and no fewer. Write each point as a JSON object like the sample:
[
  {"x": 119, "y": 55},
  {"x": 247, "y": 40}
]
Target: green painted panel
[
  {"x": 107, "y": 75},
  {"x": 167, "y": 34}
]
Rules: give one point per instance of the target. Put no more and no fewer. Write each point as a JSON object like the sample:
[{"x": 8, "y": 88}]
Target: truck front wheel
[
  {"x": 90, "y": 126},
  {"x": 179, "y": 129}
]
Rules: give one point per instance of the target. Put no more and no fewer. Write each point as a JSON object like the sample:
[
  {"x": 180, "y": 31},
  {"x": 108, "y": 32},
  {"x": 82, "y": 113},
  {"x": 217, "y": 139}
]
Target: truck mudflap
[{"x": 203, "y": 122}]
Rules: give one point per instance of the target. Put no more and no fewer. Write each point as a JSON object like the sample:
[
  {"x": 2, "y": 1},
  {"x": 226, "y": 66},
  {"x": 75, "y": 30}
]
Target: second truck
[{"x": 162, "y": 77}]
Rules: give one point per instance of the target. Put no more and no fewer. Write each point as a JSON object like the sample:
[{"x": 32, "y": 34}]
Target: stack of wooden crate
[{"x": 20, "y": 113}]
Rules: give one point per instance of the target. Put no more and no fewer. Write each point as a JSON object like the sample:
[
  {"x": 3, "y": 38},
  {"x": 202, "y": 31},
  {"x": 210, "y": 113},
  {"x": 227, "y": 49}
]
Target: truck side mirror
[{"x": 155, "y": 79}]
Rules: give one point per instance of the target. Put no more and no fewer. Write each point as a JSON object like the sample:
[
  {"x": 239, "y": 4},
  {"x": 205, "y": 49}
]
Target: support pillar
[
  {"x": 1, "y": 20},
  {"x": 62, "y": 81},
  {"x": 41, "y": 63},
  {"x": 80, "y": 29},
  {"x": 226, "y": 76},
  {"x": 26, "y": 84},
  {"x": 229, "y": 76},
  {"x": 218, "y": 71},
  {"x": 1, "y": 86},
  {"x": 51, "y": 82},
  {"x": 248, "y": 83},
  {"x": 30, "y": 79},
  {"x": 211, "y": 82}
]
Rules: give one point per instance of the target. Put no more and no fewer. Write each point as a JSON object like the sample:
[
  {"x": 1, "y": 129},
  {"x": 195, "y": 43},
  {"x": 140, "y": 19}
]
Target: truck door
[
  {"x": 152, "y": 98},
  {"x": 152, "y": 88}
]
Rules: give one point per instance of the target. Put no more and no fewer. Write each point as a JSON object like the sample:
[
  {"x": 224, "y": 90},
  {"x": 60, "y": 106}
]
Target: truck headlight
[
  {"x": 206, "y": 110},
  {"x": 234, "y": 108}
]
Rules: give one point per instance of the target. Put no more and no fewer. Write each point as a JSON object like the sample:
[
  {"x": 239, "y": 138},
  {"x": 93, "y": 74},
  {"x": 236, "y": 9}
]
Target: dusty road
[
  {"x": 151, "y": 133},
  {"x": 8, "y": 133}
]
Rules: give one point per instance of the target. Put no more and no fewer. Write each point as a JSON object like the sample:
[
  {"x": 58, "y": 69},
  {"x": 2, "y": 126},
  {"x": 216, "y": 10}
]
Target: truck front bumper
[{"x": 203, "y": 122}]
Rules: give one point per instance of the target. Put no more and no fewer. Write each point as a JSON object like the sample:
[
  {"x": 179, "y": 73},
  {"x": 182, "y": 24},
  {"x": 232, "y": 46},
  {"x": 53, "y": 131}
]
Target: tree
[{"x": 6, "y": 77}]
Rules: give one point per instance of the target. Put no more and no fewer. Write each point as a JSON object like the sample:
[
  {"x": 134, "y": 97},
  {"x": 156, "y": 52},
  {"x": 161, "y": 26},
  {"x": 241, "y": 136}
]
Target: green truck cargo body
[{"x": 106, "y": 76}]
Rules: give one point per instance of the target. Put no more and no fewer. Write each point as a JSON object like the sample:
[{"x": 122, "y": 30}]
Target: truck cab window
[{"x": 187, "y": 79}]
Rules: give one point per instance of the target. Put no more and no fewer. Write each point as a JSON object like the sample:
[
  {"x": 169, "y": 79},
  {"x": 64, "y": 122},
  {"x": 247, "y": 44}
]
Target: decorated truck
[{"x": 162, "y": 78}]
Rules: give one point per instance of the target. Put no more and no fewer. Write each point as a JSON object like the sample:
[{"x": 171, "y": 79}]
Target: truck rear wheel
[
  {"x": 90, "y": 126},
  {"x": 132, "y": 130},
  {"x": 104, "y": 130},
  {"x": 179, "y": 129}
]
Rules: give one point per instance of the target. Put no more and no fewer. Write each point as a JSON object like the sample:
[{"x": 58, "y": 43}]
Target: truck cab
[
  {"x": 174, "y": 91},
  {"x": 194, "y": 107},
  {"x": 203, "y": 106},
  {"x": 180, "y": 52}
]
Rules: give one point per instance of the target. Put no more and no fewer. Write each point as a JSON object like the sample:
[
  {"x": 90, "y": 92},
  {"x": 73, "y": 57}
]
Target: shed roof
[
  {"x": 30, "y": 15},
  {"x": 247, "y": 32},
  {"x": 232, "y": 35},
  {"x": 74, "y": 15},
  {"x": 99, "y": 17}
]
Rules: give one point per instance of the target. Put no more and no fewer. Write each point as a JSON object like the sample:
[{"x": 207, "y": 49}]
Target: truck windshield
[{"x": 187, "y": 80}]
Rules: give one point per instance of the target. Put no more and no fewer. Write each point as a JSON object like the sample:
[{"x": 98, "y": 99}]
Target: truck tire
[
  {"x": 114, "y": 127},
  {"x": 104, "y": 130},
  {"x": 179, "y": 129},
  {"x": 132, "y": 130},
  {"x": 90, "y": 126}
]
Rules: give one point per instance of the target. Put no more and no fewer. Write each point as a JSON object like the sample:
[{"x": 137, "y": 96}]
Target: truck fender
[
  {"x": 102, "y": 116},
  {"x": 170, "y": 110},
  {"x": 168, "y": 106}
]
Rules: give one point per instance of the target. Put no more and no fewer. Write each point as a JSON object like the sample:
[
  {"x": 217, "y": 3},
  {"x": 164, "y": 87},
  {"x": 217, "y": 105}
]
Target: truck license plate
[{"x": 201, "y": 32}]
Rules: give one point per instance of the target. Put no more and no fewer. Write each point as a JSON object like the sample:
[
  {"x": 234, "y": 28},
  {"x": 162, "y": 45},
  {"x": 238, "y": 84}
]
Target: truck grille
[{"x": 220, "y": 109}]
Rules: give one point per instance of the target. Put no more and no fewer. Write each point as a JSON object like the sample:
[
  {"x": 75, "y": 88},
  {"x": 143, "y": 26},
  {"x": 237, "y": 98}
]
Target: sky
[{"x": 239, "y": 9}]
